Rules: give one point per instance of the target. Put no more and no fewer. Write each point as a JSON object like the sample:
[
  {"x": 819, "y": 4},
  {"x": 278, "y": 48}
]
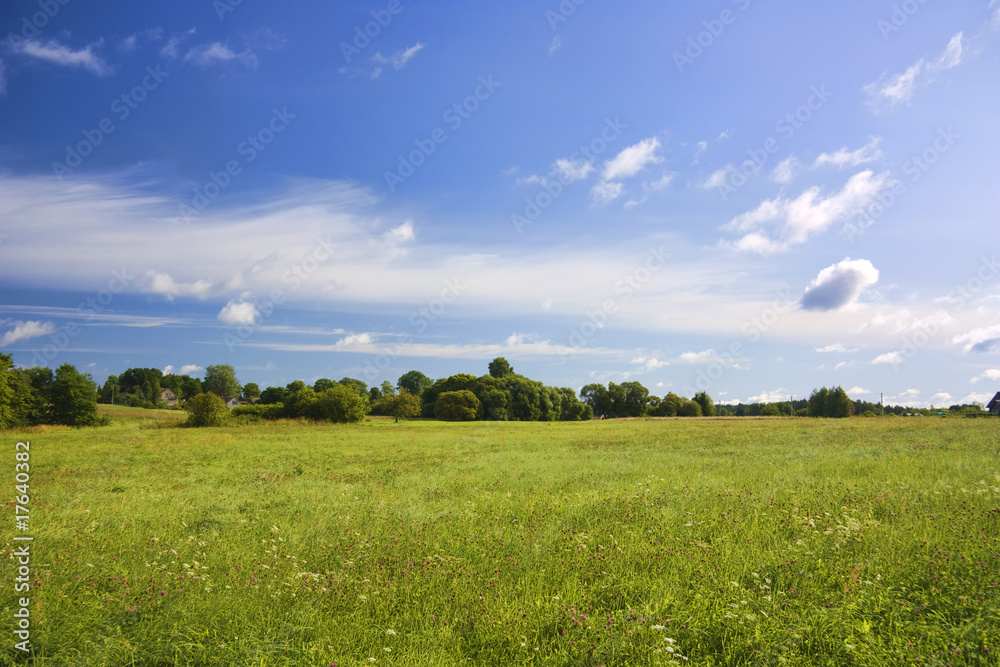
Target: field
[{"x": 647, "y": 542}]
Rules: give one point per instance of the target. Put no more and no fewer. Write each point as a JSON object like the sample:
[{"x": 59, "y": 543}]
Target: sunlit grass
[{"x": 725, "y": 542}]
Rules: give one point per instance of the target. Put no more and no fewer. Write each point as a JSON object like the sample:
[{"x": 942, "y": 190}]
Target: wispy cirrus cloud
[
  {"x": 845, "y": 158},
  {"x": 626, "y": 164},
  {"x": 890, "y": 91},
  {"x": 52, "y": 51}
]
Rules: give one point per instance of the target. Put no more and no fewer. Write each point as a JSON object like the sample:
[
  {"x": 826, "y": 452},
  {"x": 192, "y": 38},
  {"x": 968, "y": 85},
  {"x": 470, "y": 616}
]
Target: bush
[
  {"x": 341, "y": 404},
  {"x": 258, "y": 412},
  {"x": 689, "y": 409},
  {"x": 207, "y": 410},
  {"x": 457, "y": 406}
]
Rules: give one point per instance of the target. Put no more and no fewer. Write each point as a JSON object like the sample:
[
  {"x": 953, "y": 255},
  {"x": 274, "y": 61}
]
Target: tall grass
[{"x": 716, "y": 542}]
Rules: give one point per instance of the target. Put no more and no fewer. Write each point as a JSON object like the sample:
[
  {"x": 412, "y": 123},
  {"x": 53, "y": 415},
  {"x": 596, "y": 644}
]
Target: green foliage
[
  {"x": 830, "y": 403},
  {"x": 689, "y": 408},
  {"x": 251, "y": 391},
  {"x": 459, "y": 405},
  {"x": 341, "y": 404},
  {"x": 299, "y": 403},
  {"x": 414, "y": 382},
  {"x": 323, "y": 384},
  {"x": 273, "y": 395},
  {"x": 770, "y": 410},
  {"x": 142, "y": 385},
  {"x": 401, "y": 405},
  {"x": 221, "y": 381},
  {"x": 74, "y": 398},
  {"x": 500, "y": 368},
  {"x": 294, "y": 386},
  {"x": 453, "y": 383},
  {"x": 598, "y": 398},
  {"x": 7, "y": 387},
  {"x": 207, "y": 409},
  {"x": 260, "y": 411},
  {"x": 358, "y": 386},
  {"x": 706, "y": 403}
]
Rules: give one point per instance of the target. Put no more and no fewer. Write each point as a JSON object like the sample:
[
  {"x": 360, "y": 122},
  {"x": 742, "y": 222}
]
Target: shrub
[
  {"x": 456, "y": 406},
  {"x": 341, "y": 404},
  {"x": 207, "y": 410}
]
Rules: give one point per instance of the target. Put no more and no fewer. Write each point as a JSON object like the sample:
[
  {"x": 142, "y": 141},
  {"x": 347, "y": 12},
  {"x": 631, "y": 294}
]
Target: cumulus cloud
[
  {"x": 894, "y": 358},
  {"x": 785, "y": 172},
  {"x": 207, "y": 55},
  {"x": 633, "y": 159},
  {"x": 981, "y": 339},
  {"x": 651, "y": 363},
  {"x": 780, "y": 395},
  {"x": 717, "y": 178},
  {"x": 27, "y": 330},
  {"x": 808, "y": 214},
  {"x": 188, "y": 369},
  {"x": 839, "y": 285},
  {"x": 240, "y": 312},
  {"x": 53, "y": 52},
  {"x": 573, "y": 170},
  {"x": 991, "y": 375},
  {"x": 857, "y": 391},
  {"x": 890, "y": 91},
  {"x": 845, "y": 158},
  {"x": 603, "y": 193},
  {"x": 158, "y": 282}
]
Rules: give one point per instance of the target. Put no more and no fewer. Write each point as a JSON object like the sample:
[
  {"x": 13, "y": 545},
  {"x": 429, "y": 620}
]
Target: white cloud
[
  {"x": 631, "y": 160},
  {"x": 780, "y": 395},
  {"x": 171, "y": 48},
  {"x": 808, "y": 214},
  {"x": 991, "y": 375},
  {"x": 857, "y": 391},
  {"x": 188, "y": 369},
  {"x": 717, "y": 178},
  {"x": 397, "y": 60},
  {"x": 650, "y": 187},
  {"x": 603, "y": 192},
  {"x": 890, "y": 91},
  {"x": 236, "y": 313},
  {"x": 650, "y": 364},
  {"x": 893, "y": 358},
  {"x": 941, "y": 398},
  {"x": 839, "y": 285},
  {"x": 207, "y": 55},
  {"x": 981, "y": 339},
  {"x": 837, "y": 347},
  {"x": 786, "y": 170},
  {"x": 27, "y": 330},
  {"x": 844, "y": 158},
  {"x": 704, "y": 357},
  {"x": 161, "y": 283},
  {"x": 54, "y": 52},
  {"x": 168, "y": 369},
  {"x": 402, "y": 234},
  {"x": 570, "y": 170}
]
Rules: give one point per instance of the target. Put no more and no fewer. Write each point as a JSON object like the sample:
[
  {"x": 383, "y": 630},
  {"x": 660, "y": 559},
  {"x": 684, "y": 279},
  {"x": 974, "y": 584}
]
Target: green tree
[
  {"x": 706, "y": 403},
  {"x": 74, "y": 398},
  {"x": 7, "y": 388},
  {"x": 500, "y": 368},
  {"x": 672, "y": 404},
  {"x": 414, "y": 382},
  {"x": 299, "y": 403},
  {"x": 272, "y": 395},
  {"x": 525, "y": 398},
  {"x": 142, "y": 385},
  {"x": 572, "y": 408},
  {"x": 404, "y": 404},
  {"x": 340, "y": 404},
  {"x": 110, "y": 391},
  {"x": 493, "y": 394},
  {"x": 359, "y": 387},
  {"x": 635, "y": 399},
  {"x": 251, "y": 391},
  {"x": 190, "y": 388},
  {"x": 322, "y": 385},
  {"x": 207, "y": 409},
  {"x": 459, "y": 405},
  {"x": 294, "y": 386},
  {"x": 430, "y": 395},
  {"x": 689, "y": 409},
  {"x": 597, "y": 397},
  {"x": 770, "y": 410},
  {"x": 174, "y": 383},
  {"x": 221, "y": 381}
]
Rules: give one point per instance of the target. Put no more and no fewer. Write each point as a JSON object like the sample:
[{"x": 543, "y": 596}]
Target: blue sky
[{"x": 754, "y": 199}]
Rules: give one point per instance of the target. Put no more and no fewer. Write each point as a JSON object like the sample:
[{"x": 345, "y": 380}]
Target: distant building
[
  {"x": 994, "y": 405},
  {"x": 168, "y": 397},
  {"x": 231, "y": 402}
]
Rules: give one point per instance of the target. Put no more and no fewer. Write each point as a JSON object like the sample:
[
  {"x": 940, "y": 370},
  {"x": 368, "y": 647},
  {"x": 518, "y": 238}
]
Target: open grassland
[{"x": 709, "y": 542}]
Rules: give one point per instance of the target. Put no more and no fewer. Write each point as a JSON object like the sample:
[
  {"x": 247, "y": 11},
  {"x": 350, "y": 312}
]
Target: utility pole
[
  {"x": 881, "y": 402},
  {"x": 791, "y": 408}
]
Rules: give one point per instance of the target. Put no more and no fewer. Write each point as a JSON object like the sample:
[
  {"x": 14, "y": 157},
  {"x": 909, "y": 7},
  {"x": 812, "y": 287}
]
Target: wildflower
[{"x": 390, "y": 631}]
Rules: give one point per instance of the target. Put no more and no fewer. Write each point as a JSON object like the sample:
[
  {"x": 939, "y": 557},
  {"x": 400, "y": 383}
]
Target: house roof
[{"x": 994, "y": 403}]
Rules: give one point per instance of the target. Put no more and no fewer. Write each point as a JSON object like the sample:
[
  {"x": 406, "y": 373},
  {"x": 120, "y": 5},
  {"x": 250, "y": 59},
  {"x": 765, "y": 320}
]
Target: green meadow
[{"x": 618, "y": 542}]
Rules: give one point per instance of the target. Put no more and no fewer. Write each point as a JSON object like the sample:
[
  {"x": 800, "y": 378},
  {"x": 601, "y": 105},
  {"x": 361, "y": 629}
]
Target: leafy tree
[
  {"x": 459, "y": 405},
  {"x": 387, "y": 388},
  {"x": 31, "y": 397},
  {"x": 689, "y": 409},
  {"x": 500, "y": 368},
  {"x": 142, "y": 385},
  {"x": 74, "y": 398},
  {"x": 635, "y": 399},
  {"x": 597, "y": 397},
  {"x": 616, "y": 396},
  {"x": 341, "y": 404},
  {"x": 404, "y": 404},
  {"x": 770, "y": 410},
  {"x": 818, "y": 400},
  {"x": 493, "y": 394},
  {"x": 251, "y": 391},
  {"x": 7, "y": 388},
  {"x": 830, "y": 403},
  {"x": 322, "y": 385},
  {"x": 374, "y": 395},
  {"x": 297, "y": 385},
  {"x": 706, "y": 404},
  {"x": 525, "y": 399},
  {"x": 414, "y": 382},
  {"x": 453, "y": 383},
  {"x": 174, "y": 383},
  {"x": 672, "y": 404},
  {"x": 110, "y": 391},
  {"x": 359, "y": 387},
  {"x": 299, "y": 403},
  {"x": 207, "y": 409},
  {"x": 221, "y": 381},
  {"x": 272, "y": 395},
  {"x": 190, "y": 388},
  {"x": 572, "y": 408}
]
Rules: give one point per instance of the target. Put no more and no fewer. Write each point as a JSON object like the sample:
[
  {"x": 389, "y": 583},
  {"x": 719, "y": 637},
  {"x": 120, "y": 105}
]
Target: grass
[{"x": 653, "y": 542}]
